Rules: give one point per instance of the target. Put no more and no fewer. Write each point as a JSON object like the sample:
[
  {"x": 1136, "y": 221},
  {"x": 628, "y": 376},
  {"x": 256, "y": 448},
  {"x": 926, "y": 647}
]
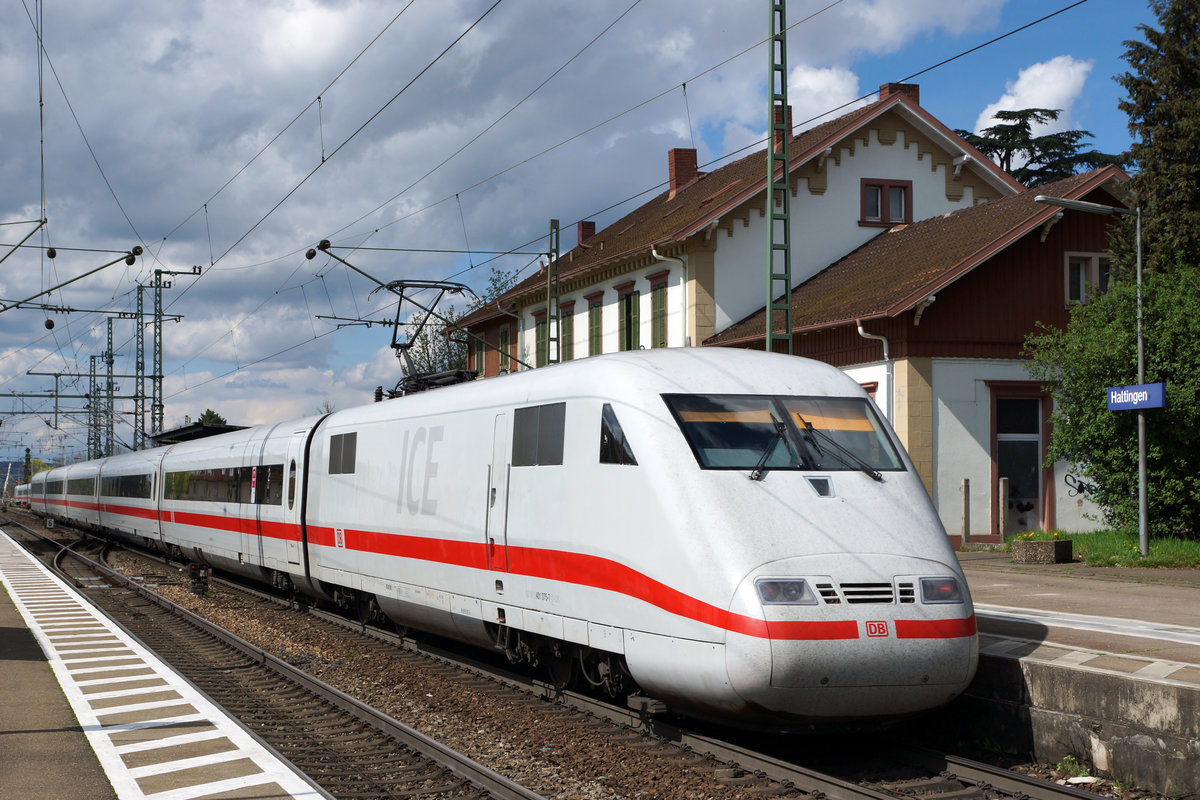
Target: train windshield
[{"x": 757, "y": 432}]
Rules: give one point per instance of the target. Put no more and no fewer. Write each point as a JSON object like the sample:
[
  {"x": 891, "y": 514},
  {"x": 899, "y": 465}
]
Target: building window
[
  {"x": 595, "y": 325},
  {"x": 504, "y": 354},
  {"x": 566, "y": 331},
  {"x": 886, "y": 203},
  {"x": 1086, "y": 276},
  {"x": 480, "y": 355},
  {"x": 658, "y": 309}
]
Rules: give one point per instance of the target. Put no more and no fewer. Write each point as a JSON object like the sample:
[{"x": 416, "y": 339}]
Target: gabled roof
[
  {"x": 902, "y": 266},
  {"x": 670, "y": 218}
]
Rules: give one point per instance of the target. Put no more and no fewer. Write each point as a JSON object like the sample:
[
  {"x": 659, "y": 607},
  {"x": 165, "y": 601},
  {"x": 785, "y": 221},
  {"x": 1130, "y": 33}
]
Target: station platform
[
  {"x": 1102, "y": 664},
  {"x": 87, "y": 713}
]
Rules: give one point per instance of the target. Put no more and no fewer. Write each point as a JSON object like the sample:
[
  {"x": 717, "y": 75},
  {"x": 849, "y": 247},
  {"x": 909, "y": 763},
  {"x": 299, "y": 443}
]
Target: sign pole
[{"x": 1143, "y": 533}]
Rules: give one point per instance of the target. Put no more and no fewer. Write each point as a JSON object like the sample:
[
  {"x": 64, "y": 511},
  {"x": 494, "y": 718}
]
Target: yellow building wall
[{"x": 914, "y": 413}]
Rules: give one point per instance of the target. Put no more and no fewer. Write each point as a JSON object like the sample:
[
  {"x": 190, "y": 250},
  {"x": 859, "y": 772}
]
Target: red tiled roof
[
  {"x": 667, "y": 219},
  {"x": 901, "y": 266}
]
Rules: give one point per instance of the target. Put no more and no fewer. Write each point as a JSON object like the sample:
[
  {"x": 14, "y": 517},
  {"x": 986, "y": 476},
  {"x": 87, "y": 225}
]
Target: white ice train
[{"x": 737, "y": 532}]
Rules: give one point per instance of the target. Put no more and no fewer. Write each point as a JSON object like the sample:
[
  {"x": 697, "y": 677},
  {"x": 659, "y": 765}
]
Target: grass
[
  {"x": 1110, "y": 548},
  {"x": 1070, "y": 767}
]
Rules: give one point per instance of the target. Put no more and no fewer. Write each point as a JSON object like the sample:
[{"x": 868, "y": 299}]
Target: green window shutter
[
  {"x": 658, "y": 316},
  {"x": 543, "y": 341},
  {"x": 595, "y": 344},
  {"x": 566, "y": 337},
  {"x": 503, "y": 349},
  {"x": 623, "y": 323},
  {"x": 635, "y": 326}
]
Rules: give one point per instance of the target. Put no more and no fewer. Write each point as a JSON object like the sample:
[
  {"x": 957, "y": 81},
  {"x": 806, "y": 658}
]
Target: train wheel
[{"x": 561, "y": 668}]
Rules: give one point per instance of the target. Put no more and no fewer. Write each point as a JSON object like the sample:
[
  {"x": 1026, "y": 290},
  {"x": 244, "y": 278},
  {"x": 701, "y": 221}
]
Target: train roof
[{"x": 624, "y": 376}]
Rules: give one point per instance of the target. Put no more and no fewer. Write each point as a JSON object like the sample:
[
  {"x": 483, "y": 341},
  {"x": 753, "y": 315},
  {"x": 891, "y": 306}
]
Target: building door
[{"x": 1019, "y": 460}]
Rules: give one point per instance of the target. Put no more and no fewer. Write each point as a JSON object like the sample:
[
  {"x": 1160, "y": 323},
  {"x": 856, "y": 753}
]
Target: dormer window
[{"x": 886, "y": 203}]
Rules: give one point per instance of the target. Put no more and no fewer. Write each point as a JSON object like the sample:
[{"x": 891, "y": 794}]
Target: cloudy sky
[{"x": 235, "y": 135}]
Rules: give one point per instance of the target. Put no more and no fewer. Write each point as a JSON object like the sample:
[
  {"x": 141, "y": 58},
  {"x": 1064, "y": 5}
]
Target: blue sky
[
  {"x": 193, "y": 129},
  {"x": 1093, "y": 32}
]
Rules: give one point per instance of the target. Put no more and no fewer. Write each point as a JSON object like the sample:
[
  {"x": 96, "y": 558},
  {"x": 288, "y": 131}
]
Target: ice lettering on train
[{"x": 417, "y": 468}]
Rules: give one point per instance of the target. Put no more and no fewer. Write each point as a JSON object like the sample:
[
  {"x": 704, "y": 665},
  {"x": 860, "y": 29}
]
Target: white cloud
[
  {"x": 1056, "y": 83},
  {"x": 813, "y": 91},
  {"x": 175, "y": 98}
]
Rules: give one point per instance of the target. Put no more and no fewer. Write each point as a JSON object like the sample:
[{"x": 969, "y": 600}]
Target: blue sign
[{"x": 1133, "y": 398}]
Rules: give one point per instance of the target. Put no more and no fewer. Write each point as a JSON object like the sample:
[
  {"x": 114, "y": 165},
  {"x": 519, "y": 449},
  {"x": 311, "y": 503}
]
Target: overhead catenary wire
[
  {"x": 360, "y": 129},
  {"x": 729, "y": 155},
  {"x": 293, "y": 121}
]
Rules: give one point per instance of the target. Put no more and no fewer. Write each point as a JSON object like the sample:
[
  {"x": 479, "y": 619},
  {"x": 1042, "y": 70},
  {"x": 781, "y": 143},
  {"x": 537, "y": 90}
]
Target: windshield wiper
[
  {"x": 759, "y": 470},
  {"x": 847, "y": 457}
]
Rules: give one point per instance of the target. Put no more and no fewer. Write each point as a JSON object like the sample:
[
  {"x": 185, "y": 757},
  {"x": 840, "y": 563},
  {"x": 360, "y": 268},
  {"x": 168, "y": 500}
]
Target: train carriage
[
  {"x": 231, "y": 499},
  {"x": 735, "y": 533},
  {"x": 128, "y": 486},
  {"x": 37, "y": 493}
]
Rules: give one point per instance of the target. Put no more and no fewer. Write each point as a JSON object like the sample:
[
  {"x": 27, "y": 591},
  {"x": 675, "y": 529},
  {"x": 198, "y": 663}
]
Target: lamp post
[{"x": 1107, "y": 210}]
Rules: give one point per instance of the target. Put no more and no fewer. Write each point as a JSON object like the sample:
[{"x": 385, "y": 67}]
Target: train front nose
[{"x": 843, "y": 639}]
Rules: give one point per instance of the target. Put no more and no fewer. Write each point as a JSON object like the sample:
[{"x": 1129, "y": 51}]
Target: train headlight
[
  {"x": 789, "y": 592},
  {"x": 941, "y": 590}
]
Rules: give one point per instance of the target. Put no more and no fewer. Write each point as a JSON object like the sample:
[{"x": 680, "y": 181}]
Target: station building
[{"x": 918, "y": 267}]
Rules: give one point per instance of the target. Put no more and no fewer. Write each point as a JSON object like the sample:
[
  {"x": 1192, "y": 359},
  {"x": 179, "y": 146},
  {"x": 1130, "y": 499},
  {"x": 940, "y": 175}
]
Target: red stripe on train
[{"x": 578, "y": 569}]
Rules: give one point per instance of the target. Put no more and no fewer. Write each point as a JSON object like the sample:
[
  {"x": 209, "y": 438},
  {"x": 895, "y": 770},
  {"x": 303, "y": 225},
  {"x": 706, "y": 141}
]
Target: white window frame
[{"x": 1089, "y": 278}]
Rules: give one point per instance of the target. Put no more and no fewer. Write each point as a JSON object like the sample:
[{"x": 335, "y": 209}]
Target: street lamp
[{"x": 1106, "y": 210}]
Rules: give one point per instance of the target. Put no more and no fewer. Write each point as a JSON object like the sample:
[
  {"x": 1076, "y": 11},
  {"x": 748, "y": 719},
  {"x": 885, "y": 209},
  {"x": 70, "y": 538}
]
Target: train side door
[
  {"x": 157, "y": 492},
  {"x": 292, "y": 471},
  {"x": 496, "y": 529}
]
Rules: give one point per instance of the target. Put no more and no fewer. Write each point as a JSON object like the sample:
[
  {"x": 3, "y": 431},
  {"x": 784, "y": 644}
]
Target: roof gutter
[{"x": 891, "y": 372}]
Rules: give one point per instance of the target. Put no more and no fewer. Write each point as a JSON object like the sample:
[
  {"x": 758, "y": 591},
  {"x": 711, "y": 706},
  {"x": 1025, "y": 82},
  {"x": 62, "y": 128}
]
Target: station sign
[{"x": 1135, "y": 398}]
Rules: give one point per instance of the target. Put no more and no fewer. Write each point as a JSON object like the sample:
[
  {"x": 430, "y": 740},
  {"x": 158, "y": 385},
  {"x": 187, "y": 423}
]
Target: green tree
[
  {"x": 1042, "y": 159},
  {"x": 436, "y": 348},
  {"x": 1097, "y": 350},
  {"x": 499, "y": 282},
  {"x": 1164, "y": 117},
  {"x": 210, "y": 417},
  {"x": 36, "y": 465}
]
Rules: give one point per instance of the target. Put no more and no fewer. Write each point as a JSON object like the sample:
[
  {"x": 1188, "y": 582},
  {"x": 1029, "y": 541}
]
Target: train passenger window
[
  {"x": 84, "y": 486},
  {"x": 342, "y": 452},
  {"x": 614, "y": 447},
  {"x": 136, "y": 486},
  {"x": 538, "y": 435},
  {"x": 270, "y": 485},
  {"x": 292, "y": 485}
]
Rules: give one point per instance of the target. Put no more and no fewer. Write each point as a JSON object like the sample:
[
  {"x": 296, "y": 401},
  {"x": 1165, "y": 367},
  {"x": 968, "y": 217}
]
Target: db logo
[{"x": 877, "y": 629}]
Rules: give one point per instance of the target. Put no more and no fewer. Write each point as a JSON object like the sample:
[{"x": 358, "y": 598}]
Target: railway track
[{"x": 703, "y": 764}]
